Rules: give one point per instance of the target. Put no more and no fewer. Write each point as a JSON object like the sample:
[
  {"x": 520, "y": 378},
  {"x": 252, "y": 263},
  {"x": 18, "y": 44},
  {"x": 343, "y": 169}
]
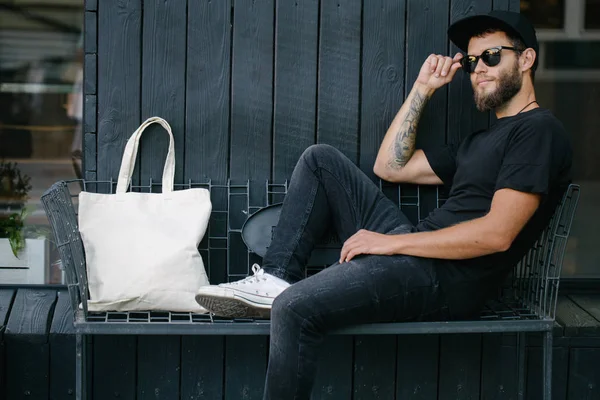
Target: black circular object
[{"x": 257, "y": 231}]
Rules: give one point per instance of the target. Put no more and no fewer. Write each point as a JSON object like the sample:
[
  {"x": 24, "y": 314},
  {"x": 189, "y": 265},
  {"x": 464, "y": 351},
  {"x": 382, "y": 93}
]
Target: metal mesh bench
[{"x": 526, "y": 303}]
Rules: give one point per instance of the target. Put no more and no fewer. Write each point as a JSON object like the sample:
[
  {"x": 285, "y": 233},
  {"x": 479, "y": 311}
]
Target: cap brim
[{"x": 461, "y": 32}]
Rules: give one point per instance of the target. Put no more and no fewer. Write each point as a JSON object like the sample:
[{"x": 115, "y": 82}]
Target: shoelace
[{"x": 257, "y": 277}]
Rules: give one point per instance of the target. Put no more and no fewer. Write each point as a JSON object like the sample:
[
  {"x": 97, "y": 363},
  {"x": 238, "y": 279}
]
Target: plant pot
[{"x": 31, "y": 265}]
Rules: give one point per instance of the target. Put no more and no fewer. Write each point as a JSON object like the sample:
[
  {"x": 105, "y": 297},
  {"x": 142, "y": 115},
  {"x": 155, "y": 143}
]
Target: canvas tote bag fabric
[{"x": 142, "y": 248}]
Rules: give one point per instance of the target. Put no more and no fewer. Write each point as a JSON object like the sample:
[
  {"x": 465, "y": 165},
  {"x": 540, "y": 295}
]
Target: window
[
  {"x": 592, "y": 14},
  {"x": 545, "y": 14},
  {"x": 40, "y": 109}
]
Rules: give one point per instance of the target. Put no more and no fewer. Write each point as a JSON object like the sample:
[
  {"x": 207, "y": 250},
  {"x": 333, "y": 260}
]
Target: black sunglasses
[{"x": 490, "y": 57}]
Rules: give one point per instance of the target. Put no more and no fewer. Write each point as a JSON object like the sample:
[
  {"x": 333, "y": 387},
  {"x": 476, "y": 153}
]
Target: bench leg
[
  {"x": 547, "y": 370},
  {"x": 521, "y": 366},
  {"x": 80, "y": 370}
]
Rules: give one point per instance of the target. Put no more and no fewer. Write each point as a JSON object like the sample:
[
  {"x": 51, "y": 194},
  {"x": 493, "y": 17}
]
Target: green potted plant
[
  {"x": 14, "y": 192},
  {"x": 24, "y": 250}
]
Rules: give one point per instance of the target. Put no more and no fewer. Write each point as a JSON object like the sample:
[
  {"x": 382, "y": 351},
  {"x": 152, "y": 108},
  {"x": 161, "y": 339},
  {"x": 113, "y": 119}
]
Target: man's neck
[{"x": 520, "y": 103}]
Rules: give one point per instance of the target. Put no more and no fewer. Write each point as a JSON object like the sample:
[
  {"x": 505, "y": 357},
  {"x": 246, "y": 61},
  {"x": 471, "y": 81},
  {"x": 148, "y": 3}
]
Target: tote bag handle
[{"x": 130, "y": 155}]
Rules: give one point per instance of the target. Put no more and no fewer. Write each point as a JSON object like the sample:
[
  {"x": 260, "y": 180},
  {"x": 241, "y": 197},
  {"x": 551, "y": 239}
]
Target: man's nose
[{"x": 480, "y": 67}]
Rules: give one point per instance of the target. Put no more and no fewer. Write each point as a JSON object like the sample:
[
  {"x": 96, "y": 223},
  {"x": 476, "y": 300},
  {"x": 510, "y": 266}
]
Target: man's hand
[
  {"x": 367, "y": 242},
  {"x": 438, "y": 70}
]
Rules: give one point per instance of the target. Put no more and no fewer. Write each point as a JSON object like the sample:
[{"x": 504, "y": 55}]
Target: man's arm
[
  {"x": 397, "y": 160},
  {"x": 492, "y": 233}
]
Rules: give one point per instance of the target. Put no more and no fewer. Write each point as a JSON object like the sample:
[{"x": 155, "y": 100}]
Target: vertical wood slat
[
  {"x": 382, "y": 84},
  {"x": 202, "y": 367},
  {"x": 460, "y": 359},
  {"x": 90, "y": 151},
  {"x": 250, "y": 159},
  {"x": 114, "y": 367},
  {"x": 163, "y": 85},
  {"x": 374, "y": 367},
  {"x": 508, "y": 5},
  {"x": 158, "y": 367},
  {"x": 252, "y": 93},
  {"x": 62, "y": 349},
  {"x": 245, "y": 367},
  {"x": 90, "y": 39},
  {"x": 295, "y": 92},
  {"x": 463, "y": 117},
  {"x": 91, "y": 176},
  {"x": 499, "y": 367},
  {"x": 208, "y": 74},
  {"x": 339, "y": 76},
  {"x": 27, "y": 348},
  {"x": 417, "y": 367},
  {"x": 89, "y": 87},
  {"x": 89, "y": 117},
  {"x": 119, "y": 56},
  {"x": 427, "y": 24},
  {"x": 91, "y": 5},
  {"x": 90, "y": 74},
  {"x": 561, "y": 369},
  {"x": 334, "y": 372},
  {"x": 6, "y": 301}
]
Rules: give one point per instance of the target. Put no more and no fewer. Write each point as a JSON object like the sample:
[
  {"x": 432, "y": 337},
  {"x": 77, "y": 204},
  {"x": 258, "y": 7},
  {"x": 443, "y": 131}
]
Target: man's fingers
[
  {"x": 343, "y": 253},
  {"x": 352, "y": 254},
  {"x": 349, "y": 257},
  {"x": 349, "y": 250},
  {"x": 440, "y": 67},
  {"x": 455, "y": 67},
  {"x": 348, "y": 245},
  {"x": 457, "y": 57},
  {"x": 437, "y": 63},
  {"x": 433, "y": 60},
  {"x": 447, "y": 64}
]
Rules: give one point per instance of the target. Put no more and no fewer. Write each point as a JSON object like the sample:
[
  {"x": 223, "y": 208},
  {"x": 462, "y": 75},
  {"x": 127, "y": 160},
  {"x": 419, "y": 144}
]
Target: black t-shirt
[{"x": 529, "y": 152}]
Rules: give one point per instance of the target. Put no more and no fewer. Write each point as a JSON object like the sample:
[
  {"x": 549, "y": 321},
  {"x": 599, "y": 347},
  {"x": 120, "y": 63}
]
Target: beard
[{"x": 508, "y": 85}]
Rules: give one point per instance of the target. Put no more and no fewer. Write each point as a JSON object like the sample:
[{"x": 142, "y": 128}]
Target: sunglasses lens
[
  {"x": 491, "y": 58},
  {"x": 469, "y": 63}
]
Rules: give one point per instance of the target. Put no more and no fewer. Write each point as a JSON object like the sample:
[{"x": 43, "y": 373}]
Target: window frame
[
  {"x": 573, "y": 30},
  {"x": 574, "y": 27}
]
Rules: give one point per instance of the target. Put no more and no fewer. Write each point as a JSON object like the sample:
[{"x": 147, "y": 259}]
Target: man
[{"x": 505, "y": 183}]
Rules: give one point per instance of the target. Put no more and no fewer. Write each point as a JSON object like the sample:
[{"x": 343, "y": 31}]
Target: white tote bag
[{"x": 142, "y": 248}]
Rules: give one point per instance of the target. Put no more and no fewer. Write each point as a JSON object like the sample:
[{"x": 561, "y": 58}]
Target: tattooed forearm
[{"x": 403, "y": 146}]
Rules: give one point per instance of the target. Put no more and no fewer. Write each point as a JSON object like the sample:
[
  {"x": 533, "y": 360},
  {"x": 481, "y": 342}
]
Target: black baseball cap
[{"x": 510, "y": 22}]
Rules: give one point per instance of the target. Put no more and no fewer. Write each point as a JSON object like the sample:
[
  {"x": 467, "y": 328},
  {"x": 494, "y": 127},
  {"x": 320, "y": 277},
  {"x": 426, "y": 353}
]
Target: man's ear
[{"x": 528, "y": 57}]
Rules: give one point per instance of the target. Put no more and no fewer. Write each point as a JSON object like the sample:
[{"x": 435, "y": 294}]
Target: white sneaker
[{"x": 249, "y": 297}]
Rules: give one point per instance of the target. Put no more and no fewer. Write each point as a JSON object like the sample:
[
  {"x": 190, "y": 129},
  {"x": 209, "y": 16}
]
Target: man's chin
[
  {"x": 482, "y": 107},
  {"x": 482, "y": 104}
]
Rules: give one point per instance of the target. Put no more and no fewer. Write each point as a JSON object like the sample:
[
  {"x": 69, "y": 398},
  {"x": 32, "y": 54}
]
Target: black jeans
[{"x": 328, "y": 189}]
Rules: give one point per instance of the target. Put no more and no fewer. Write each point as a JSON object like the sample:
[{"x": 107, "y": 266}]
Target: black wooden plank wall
[{"x": 247, "y": 85}]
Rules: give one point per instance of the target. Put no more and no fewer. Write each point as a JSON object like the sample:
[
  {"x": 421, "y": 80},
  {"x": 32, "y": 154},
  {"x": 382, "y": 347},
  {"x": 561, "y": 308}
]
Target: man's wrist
[
  {"x": 398, "y": 243},
  {"x": 424, "y": 89}
]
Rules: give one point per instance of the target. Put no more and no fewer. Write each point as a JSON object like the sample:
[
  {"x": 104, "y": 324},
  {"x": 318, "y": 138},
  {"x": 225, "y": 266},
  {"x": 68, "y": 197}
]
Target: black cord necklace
[{"x": 535, "y": 101}]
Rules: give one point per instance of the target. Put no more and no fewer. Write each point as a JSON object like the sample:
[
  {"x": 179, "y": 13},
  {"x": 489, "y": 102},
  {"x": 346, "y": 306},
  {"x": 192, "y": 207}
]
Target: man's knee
[
  {"x": 290, "y": 303},
  {"x": 317, "y": 153}
]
